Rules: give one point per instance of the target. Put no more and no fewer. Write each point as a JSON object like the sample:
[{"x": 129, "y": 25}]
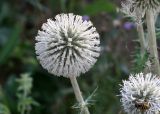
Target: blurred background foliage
[{"x": 19, "y": 22}]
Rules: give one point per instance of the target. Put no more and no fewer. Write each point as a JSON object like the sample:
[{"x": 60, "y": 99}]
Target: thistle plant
[
  {"x": 141, "y": 94},
  {"x": 25, "y": 101},
  {"x": 68, "y": 47},
  {"x": 136, "y": 14},
  {"x": 139, "y": 9},
  {"x": 152, "y": 43},
  {"x": 146, "y": 5},
  {"x": 151, "y": 8}
]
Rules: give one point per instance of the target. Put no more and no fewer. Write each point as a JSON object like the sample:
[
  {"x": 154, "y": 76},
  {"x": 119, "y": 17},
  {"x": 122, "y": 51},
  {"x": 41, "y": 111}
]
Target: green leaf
[
  {"x": 4, "y": 109},
  {"x": 99, "y": 6},
  {"x": 12, "y": 42},
  {"x": 139, "y": 61},
  {"x": 25, "y": 83}
]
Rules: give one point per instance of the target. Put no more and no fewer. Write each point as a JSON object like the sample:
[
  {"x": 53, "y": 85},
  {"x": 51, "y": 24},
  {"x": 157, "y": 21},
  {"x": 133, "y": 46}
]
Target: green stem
[
  {"x": 152, "y": 43},
  {"x": 78, "y": 94},
  {"x": 141, "y": 37},
  {"x": 23, "y": 110}
]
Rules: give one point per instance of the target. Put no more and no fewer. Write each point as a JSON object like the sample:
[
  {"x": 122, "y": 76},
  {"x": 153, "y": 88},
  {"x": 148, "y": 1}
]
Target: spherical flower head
[
  {"x": 147, "y": 4},
  {"x": 141, "y": 94},
  {"x": 136, "y": 9},
  {"x": 129, "y": 10},
  {"x": 67, "y": 46}
]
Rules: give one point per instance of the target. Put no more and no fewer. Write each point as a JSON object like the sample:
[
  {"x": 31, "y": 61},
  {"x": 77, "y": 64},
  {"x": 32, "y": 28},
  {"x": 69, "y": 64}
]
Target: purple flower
[
  {"x": 128, "y": 25},
  {"x": 85, "y": 18}
]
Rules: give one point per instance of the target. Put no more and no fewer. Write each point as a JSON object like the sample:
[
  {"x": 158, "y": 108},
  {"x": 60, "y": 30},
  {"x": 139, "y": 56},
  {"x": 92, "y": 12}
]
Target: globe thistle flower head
[
  {"x": 67, "y": 46},
  {"x": 136, "y": 14},
  {"x": 141, "y": 94},
  {"x": 136, "y": 9},
  {"x": 147, "y": 4}
]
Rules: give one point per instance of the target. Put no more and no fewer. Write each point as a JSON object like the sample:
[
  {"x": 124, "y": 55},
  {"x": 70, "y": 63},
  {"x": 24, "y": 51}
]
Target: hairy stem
[
  {"x": 141, "y": 37},
  {"x": 78, "y": 95},
  {"x": 152, "y": 43}
]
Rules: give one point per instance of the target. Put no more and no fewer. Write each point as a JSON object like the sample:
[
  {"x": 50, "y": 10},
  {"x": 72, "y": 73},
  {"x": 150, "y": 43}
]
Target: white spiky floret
[
  {"x": 67, "y": 46},
  {"x": 141, "y": 87},
  {"x": 147, "y": 4},
  {"x": 136, "y": 9},
  {"x": 130, "y": 11}
]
